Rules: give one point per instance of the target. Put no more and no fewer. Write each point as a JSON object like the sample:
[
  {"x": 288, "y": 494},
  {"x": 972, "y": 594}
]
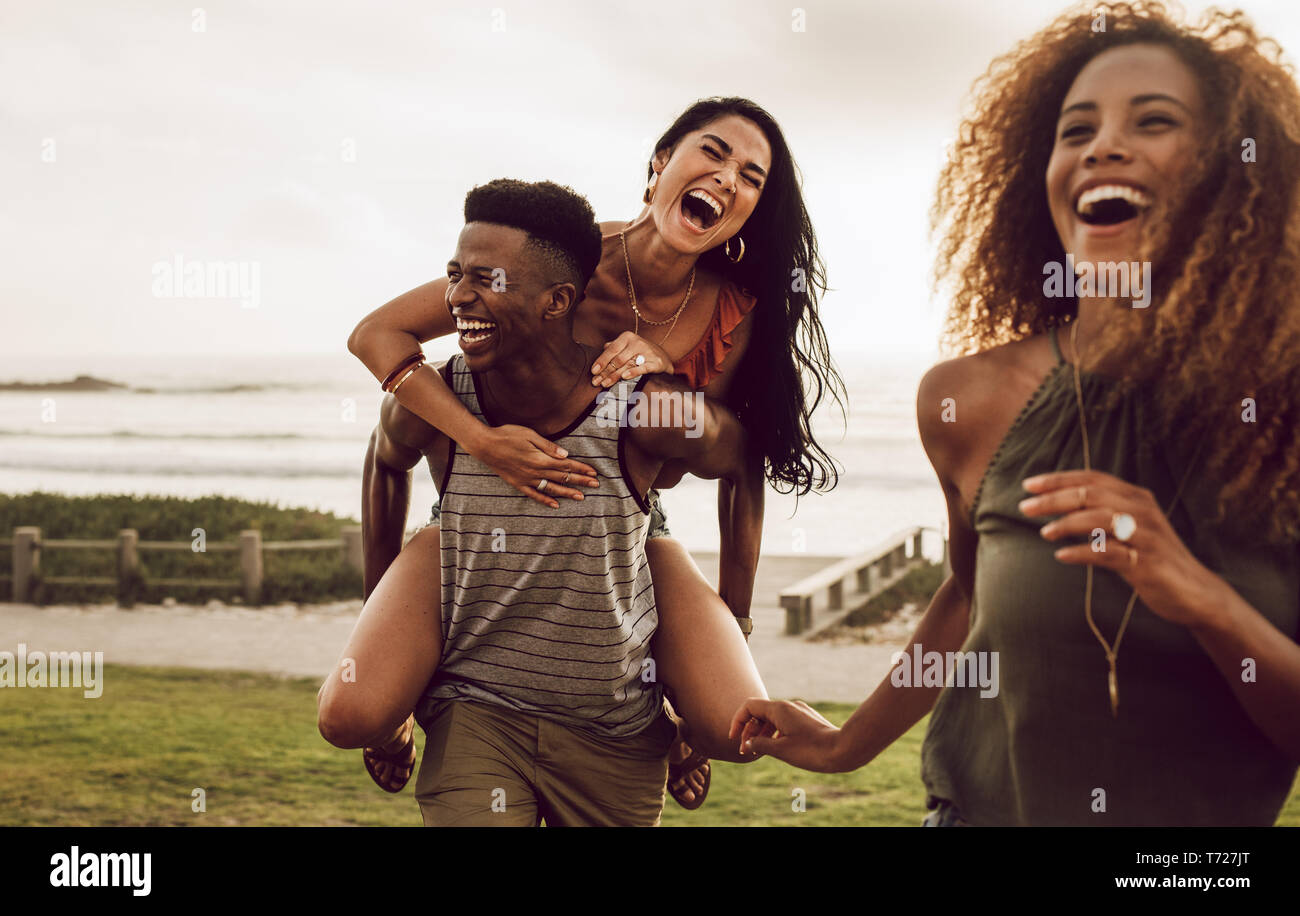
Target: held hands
[
  {"x": 619, "y": 360},
  {"x": 1154, "y": 560},
  {"x": 523, "y": 459},
  {"x": 788, "y": 730}
]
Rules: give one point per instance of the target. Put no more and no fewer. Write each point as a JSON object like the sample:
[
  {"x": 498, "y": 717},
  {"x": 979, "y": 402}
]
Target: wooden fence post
[
  {"x": 798, "y": 614},
  {"x": 250, "y": 565},
  {"x": 128, "y": 566},
  {"x": 27, "y": 563}
]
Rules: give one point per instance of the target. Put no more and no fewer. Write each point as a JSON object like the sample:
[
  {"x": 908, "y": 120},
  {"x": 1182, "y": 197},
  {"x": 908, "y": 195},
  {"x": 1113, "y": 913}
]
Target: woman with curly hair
[
  {"x": 716, "y": 280},
  {"x": 1121, "y": 464}
]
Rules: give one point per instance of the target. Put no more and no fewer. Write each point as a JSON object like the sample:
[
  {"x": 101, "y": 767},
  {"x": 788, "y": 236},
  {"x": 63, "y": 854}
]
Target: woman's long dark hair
[{"x": 782, "y": 269}]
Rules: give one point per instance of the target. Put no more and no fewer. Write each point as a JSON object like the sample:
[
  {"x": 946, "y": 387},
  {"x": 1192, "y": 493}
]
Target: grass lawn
[{"x": 135, "y": 756}]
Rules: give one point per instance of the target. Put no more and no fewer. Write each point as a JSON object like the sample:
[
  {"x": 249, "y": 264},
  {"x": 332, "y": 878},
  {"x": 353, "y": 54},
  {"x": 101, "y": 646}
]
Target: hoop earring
[
  {"x": 726, "y": 249},
  {"x": 649, "y": 194}
]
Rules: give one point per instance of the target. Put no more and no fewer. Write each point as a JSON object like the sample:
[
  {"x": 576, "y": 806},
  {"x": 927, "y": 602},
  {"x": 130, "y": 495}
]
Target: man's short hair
[{"x": 559, "y": 222}]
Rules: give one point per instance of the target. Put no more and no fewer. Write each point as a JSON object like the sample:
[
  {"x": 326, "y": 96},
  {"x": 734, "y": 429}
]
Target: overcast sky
[{"x": 330, "y": 145}]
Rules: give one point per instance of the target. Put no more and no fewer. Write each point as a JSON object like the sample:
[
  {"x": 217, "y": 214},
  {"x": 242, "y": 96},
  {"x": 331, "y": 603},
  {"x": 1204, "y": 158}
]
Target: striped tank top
[{"x": 549, "y": 612}]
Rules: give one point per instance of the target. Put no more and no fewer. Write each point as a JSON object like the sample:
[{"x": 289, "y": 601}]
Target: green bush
[{"x": 287, "y": 575}]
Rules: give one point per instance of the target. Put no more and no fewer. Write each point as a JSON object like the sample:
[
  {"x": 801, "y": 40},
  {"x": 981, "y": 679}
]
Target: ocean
[{"x": 293, "y": 430}]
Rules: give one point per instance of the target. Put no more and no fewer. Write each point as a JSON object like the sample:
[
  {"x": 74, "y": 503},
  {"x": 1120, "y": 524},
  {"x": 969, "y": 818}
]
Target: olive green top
[{"x": 1182, "y": 750}]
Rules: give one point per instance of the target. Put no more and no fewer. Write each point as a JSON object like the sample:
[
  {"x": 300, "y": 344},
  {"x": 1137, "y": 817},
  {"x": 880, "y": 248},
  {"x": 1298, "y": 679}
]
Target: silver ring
[
  {"x": 541, "y": 484},
  {"x": 1123, "y": 525},
  {"x": 566, "y": 476},
  {"x": 640, "y": 360}
]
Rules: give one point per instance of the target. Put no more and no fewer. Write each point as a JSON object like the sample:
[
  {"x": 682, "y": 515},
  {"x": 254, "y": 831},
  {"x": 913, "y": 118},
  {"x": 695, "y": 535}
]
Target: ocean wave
[
  {"x": 136, "y": 468},
  {"x": 900, "y": 479}
]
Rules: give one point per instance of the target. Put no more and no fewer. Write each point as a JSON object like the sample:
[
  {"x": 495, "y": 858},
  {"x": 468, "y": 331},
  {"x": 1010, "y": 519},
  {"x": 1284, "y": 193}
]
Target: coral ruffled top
[{"x": 704, "y": 363}]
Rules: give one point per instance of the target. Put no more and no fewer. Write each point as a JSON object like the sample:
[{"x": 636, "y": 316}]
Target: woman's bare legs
[
  {"x": 394, "y": 650},
  {"x": 392, "y": 653},
  {"x": 699, "y": 650}
]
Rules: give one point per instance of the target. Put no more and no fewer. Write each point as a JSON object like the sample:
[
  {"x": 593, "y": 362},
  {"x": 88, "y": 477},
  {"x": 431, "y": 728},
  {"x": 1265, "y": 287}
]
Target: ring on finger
[
  {"x": 566, "y": 476},
  {"x": 1123, "y": 525},
  {"x": 1132, "y": 557},
  {"x": 640, "y": 360},
  {"x": 541, "y": 485},
  {"x": 1083, "y": 497}
]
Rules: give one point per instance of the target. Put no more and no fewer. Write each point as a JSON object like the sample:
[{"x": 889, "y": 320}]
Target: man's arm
[{"x": 397, "y": 444}]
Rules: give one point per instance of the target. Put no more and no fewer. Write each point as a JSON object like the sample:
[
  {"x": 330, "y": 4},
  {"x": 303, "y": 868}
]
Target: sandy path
[{"x": 306, "y": 640}]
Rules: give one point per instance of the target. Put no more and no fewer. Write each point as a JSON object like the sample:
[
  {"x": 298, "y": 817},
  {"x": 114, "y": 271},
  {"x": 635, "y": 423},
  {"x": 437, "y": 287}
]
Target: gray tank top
[{"x": 546, "y": 611}]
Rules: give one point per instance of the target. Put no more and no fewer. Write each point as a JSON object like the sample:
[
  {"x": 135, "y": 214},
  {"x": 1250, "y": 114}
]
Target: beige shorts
[{"x": 485, "y": 766}]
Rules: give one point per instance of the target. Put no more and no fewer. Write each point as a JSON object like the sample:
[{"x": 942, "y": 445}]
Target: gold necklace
[
  {"x": 631, "y": 296},
  {"x": 1112, "y": 652}
]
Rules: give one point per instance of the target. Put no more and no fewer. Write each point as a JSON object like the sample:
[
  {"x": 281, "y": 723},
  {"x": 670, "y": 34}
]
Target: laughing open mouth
[
  {"x": 701, "y": 209},
  {"x": 1111, "y": 204},
  {"x": 473, "y": 330}
]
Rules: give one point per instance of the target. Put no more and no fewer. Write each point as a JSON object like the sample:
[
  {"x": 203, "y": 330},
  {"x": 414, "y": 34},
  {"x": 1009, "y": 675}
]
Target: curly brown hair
[{"x": 1225, "y": 318}]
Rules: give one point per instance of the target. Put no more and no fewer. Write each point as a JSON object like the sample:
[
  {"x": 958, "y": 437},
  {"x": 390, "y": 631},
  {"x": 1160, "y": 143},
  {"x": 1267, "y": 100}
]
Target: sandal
[
  {"x": 402, "y": 758},
  {"x": 677, "y": 771}
]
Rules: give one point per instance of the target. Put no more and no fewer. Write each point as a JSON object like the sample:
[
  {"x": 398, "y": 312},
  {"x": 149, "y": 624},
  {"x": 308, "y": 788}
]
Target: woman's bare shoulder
[
  {"x": 963, "y": 400},
  {"x": 992, "y": 368}
]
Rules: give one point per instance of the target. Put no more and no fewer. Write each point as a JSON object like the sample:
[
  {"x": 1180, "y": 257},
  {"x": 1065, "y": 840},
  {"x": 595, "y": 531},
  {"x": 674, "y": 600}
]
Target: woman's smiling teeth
[
  {"x": 1109, "y": 204},
  {"x": 701, "y": 209},
  {"x": 473, "y": 330}
]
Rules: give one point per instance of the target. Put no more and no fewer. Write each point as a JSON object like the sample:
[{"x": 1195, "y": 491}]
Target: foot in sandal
[
  {"x": 391, "y": 764},
  {"x": 688, "y": 775}
]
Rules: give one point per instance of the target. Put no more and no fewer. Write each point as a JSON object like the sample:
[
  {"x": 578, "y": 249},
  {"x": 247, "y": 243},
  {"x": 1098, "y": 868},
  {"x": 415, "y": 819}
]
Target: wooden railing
[
  {"x": 859, "y": 578},
  {"x": 865, "y": 575},
  {"x": 27, "y": 545}
]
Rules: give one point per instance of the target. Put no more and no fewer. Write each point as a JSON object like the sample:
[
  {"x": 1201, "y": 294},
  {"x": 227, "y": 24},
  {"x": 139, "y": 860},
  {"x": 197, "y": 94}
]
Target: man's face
[{"x": 492, "y": 293}]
